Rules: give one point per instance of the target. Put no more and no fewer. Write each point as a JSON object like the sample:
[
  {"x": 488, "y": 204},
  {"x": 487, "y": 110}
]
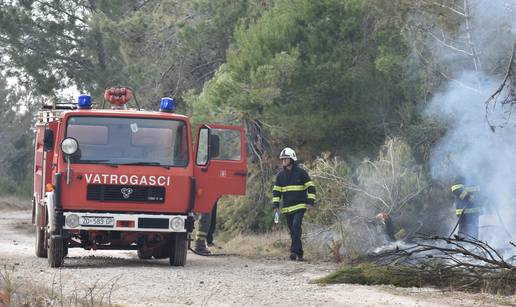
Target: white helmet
[{"x": 288, "y": 153}]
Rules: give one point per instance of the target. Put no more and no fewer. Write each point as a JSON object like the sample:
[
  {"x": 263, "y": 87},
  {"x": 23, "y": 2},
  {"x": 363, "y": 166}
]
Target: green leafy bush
[{"x": 371, "y": 274}]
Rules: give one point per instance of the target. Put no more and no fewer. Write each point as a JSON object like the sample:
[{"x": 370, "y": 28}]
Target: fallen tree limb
[{"x": 457, "y": 262}]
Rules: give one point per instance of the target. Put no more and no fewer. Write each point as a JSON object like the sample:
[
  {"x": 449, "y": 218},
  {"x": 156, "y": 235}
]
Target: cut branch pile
[{"x": 459, "y": 263}]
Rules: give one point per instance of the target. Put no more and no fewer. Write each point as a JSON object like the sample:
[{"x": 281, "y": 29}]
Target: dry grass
[
  {"x": 274, "y": 244},
  {"x": 17, "y": 291}
]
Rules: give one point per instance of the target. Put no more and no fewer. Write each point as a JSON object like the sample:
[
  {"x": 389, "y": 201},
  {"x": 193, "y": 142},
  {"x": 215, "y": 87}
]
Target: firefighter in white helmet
[{"x": 297, "y": 192}]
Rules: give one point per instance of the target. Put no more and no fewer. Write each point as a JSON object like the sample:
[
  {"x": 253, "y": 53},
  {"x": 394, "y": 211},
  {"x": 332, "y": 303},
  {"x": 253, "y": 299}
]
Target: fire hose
[
  {"x": 210, "y": 254},
  {"x": 458, "y": 222}
]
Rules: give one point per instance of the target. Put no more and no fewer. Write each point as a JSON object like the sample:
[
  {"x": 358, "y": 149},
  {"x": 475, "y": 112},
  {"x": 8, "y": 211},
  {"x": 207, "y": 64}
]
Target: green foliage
[
  {"x": 170, "y": 47},
  {"x": 159, "y": 48},
  {"x": 371, "y": 274},
  {"x": 12, "y": 187},
  {"x": 423, "y": 134},
  {"x": 249, "y": 213},
  {"x": 52, "y": 44},
  {"x": 15, "y": 145},
  {"x": 332, "y": 177},
  {"x": 392, "y": 51},
  {"x": 314, "y": 74},
  {"x": 431, "y": 272}
]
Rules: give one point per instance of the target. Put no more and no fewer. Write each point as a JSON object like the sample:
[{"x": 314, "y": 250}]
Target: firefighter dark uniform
[
  {"x": 296, "y": 191},
  {"x": 213, "y": 225},
  {"x": 466, "y": 209},
  {"x": 205, "y": 229},
  {"x": 203, "y": 226}
]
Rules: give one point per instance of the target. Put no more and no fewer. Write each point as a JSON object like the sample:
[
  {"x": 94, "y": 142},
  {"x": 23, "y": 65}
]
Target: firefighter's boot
[{"x": 200, "y": 247}]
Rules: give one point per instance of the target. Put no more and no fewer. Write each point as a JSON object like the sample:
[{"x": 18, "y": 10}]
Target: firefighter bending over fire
[
  {"x": 466, "y": 208},
  {"x": 297, "y": 191}
]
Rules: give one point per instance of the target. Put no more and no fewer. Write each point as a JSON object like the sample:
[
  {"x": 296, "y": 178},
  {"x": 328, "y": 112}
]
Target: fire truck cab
[{"x": 127, "y": 179}]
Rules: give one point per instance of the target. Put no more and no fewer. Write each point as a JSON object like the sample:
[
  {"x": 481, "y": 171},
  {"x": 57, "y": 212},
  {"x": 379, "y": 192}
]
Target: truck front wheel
[
  {"x": 178, "y": 249},
  {"x": 41, "y": 237},
  {"x": 55, "y": 251}
]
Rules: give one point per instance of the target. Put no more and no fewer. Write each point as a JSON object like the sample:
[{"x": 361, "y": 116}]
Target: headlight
[
  {"x": 72, "y": 220},
  {"x": 69, "y": 146},
  {"x": 177, "y": 224}
]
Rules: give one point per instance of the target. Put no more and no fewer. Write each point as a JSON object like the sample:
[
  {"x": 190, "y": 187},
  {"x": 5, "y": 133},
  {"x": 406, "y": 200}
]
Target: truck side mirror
[
  {"x": 48, "y": 140},
  {"x": 214, "y": 146}
]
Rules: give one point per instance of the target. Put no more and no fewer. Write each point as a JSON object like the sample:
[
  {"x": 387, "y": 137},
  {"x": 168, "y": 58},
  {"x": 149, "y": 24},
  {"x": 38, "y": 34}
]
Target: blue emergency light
[
  {"x": 84, "y": 101},
  {"x": 167, "y": 105}
]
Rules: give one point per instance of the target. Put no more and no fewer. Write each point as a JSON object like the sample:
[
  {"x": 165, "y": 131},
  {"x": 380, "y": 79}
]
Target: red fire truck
[{"x": 128, "y": 179}]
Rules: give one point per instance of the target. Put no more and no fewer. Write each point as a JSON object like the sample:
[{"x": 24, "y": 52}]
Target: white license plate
[{"x": 97, "y": 221}]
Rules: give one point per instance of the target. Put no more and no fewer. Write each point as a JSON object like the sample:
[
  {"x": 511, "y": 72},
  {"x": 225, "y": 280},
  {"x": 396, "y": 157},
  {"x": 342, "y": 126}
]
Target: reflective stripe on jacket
[
  {"x": 463, "y": 199},
  {"x": 294, "y": 188},
  {"x": 467, "y": 211}
]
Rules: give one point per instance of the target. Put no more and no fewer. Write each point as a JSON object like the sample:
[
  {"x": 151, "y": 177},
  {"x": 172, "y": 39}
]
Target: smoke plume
[{"x": 484, "y": 157}]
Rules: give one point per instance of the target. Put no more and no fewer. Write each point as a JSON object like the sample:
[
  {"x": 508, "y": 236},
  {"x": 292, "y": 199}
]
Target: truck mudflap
[{"x": 127, "y": 222}]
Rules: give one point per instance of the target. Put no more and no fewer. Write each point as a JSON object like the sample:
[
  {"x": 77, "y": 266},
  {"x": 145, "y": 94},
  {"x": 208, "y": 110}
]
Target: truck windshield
[{"x": 125, "y": 140}]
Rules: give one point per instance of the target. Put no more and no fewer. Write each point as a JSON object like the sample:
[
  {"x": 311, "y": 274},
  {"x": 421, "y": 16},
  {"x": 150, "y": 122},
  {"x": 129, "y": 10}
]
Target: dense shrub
[{"x": 345, "y": 223}]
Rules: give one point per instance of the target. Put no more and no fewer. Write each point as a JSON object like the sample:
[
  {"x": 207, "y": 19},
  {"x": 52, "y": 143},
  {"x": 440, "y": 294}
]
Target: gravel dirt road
[{"x": 205, "y": 281}]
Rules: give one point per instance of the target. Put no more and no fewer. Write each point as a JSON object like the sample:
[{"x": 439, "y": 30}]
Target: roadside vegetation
[
  {"x": 407, "y": 276},
  {"x": 16, "y": 290}
]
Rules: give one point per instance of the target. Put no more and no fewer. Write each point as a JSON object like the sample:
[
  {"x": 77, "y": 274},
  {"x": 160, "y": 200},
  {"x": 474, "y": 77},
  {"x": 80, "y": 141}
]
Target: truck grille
[{"x": 122, "y": 193}]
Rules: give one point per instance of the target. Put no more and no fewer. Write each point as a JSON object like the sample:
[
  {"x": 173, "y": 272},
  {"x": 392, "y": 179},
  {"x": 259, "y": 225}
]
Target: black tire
[
  {"x": 41, "y": 239},
  {"x": 178, "y": 249},
  {"x": 55, "y": 251},
  {"x": 162, "y": 251}
]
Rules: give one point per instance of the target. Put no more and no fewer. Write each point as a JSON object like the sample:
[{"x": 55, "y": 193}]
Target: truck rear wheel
[
  {"x": 41, "y": 237},
  {"x": 55, "y": 251},
  {"x": 178, "y": 249}
]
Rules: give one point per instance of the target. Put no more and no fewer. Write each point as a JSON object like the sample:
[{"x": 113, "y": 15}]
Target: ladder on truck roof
[{"x": 51, "y": 113}]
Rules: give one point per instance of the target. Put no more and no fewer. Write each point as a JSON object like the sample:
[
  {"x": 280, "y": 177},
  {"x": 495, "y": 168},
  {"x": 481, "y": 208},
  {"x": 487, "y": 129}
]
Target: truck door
[
  {"x": 220, "y": 164},
  {"x": 43, "y": 147}
]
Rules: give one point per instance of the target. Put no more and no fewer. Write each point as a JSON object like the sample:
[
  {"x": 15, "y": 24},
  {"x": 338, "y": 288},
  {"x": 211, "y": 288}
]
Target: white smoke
[{"x": 470, "y": 148}]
